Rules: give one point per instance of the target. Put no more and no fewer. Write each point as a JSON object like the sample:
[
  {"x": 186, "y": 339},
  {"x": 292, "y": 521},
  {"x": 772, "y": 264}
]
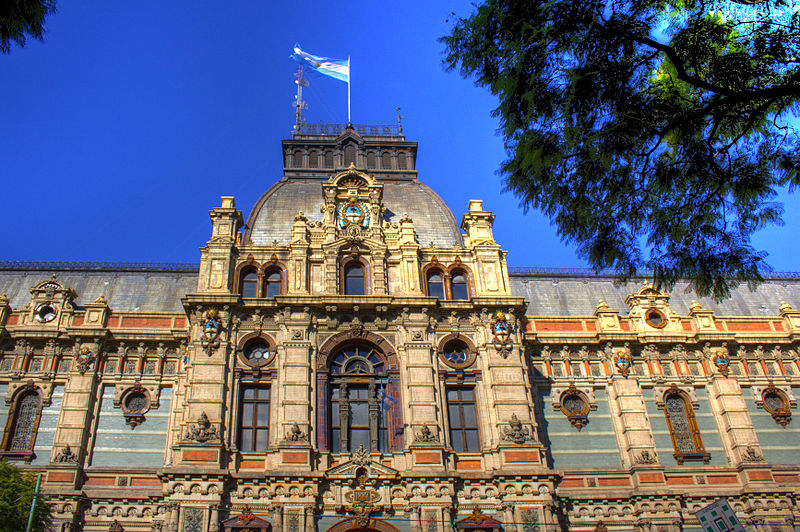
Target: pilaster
[{"x": 632, "y": 427}]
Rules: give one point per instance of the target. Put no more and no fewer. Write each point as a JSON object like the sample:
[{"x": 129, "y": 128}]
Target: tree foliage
[
  {"x": 16, "y": 489},
  {"x": 21, "y": 17},
  {"x": 655, "y": 134}
]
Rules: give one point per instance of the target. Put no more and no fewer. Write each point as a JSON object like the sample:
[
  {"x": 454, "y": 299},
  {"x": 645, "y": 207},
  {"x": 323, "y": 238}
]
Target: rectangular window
[
  {"x": 254, "y": 419},
  {"x": 463, "y": 420}
]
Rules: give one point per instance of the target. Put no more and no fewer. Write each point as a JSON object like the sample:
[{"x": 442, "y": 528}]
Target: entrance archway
[{"x": 375, "y": 525}]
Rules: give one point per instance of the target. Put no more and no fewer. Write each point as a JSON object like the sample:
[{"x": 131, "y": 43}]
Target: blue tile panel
[
  {"x": 780, "y": 445},
  {"x": 706, "y": 422},
  {"x": 117, "y": 445},
  {"x": 47, "y": 427},
  {"x": 595, "y": 445}
]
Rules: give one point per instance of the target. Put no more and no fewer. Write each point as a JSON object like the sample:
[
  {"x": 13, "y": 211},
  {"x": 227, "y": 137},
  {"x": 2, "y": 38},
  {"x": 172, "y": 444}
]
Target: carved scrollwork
[
  {"x": 515, "y": 432},
  {"x": 203, "y": 431}
]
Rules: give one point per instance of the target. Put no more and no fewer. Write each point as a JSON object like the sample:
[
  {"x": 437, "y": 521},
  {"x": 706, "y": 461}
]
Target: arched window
[
  {"x": 435, "y": 281},
  {"x": 313, "y": 159},
  {"x": 328, "y": 159},
  {"x": 349, "y": 155},
  {"x": 683, "y": 429},
  {"x": 402, "y": 161},
  {"x": 386, "y": 160},
  {"x": 357, "y": 396},
  {"x": 25, "y": 421},
  {"x": 458, "y": 285},
  {"x": 272, "y": 283},
  {"x": 248, "y": 285},
  {"x": 354, "y": 279},
  {"x": 298, "y": 160},
  {"x": 371, "y": 162}
]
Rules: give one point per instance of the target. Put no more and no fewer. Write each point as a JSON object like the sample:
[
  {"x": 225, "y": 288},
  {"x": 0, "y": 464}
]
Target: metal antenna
[
  {"x": 299, "y": 104},
  {"x": 399, "y": 121}
]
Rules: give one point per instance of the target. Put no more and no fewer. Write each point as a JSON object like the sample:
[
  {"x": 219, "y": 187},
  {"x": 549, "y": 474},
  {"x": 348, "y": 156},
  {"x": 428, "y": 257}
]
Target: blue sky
[{"x": 123, "y": 128}]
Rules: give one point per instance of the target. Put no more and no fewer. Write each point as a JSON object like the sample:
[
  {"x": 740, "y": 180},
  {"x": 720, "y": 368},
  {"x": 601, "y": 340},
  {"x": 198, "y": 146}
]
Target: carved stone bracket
[
  {"x": 425, "y": 435},
  {"x": 646, "y": 457},
  {"x": 296, "y": 435}
]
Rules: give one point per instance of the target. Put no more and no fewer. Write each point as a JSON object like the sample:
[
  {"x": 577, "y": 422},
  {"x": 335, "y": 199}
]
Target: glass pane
[
  {"x": 354, "y": 286},
  {"x": 458, "y": 285},
  {"x": 456, "y": 441},
  {"x": 472, "y": 441},
  {"x": 452, "y": 394},
  {"x": 249, "y": 284},
  {"x": 469, "y": 415},
  {"x": 359, "y": 437},
  {"x": 436, "y": 287},
  {"x": 247, "y": 440},
  {"x": 249, "y": 393},
  {"x": 359, "y": 415},
  {"x": 467, "y": 394},
  {"x": 455, "y": 416},
  {"x": 382, "y": 440},
  {"x": 262, "y": 439},
  {"x": 263, "y": 415},
  {"x": 334, "y": 414},
  {"x": 335, "y": 440},
  {"x": 274, "y": 287},
  {"x": 247, "y": 415}
]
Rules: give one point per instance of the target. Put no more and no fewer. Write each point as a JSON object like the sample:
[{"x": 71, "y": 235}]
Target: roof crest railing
[
  {"x": 588, "y": 272},
  {"x": 63, "y": 265},
  {"x": 376, "y": 130}
]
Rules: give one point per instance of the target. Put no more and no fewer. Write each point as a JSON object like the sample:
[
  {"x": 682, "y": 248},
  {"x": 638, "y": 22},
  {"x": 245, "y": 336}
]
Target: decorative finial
[{"x": 399, "y": 121}]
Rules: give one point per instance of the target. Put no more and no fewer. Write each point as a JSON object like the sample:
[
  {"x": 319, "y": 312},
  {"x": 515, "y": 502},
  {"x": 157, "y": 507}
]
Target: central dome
[{"x": 309, "y": 160}]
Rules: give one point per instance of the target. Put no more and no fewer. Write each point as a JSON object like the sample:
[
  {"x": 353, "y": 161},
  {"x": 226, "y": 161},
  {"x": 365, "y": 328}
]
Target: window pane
[
  {"x": 354, "y": 286},
  {"x": 335, "y": 440},
  {"x": 455, "y": 416},
  {"x": 472, "y": 441},
  {"x": 273, "y": 285},
  {"x": 467, "y": 394},
  {"x": 359, "y": 437},
  {"x": 247, "y": 415},
  {"x": 456, "y": 441},
  {"x": 458, "y": 286},
  {"x": 247, "y": 440},
  {"x": 249, "y": 393},
  {"x": 468, "y": 411},
  {"x": 263, "y": 415},
  {"x": 249, "y": 284},
  {"x": 359, "y": 415},
  {"x": 452, "y": 394},
  {"x": 382, "y": 440},
  {"x": 435, "y": 285},
  {"x": 262, "y": 439}
]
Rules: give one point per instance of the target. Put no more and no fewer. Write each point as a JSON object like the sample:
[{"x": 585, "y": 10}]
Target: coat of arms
[
  {"x": 212, "y": 327},
  {"x": 501, "y": 332}
]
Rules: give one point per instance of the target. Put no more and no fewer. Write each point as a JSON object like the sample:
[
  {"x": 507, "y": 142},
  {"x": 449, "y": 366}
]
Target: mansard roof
[
  {"x": 574, "y": 293},
  {"x": 126, "y": 290}
]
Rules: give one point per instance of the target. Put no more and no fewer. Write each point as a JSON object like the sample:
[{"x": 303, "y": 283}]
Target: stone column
[{"x": 629, "y": 415}]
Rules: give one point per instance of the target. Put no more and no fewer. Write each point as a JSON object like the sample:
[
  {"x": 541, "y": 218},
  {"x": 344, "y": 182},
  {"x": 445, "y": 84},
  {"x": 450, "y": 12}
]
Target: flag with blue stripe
[
  {"x": 387, "y": 401},
  {"x": 335, "y": 68}
]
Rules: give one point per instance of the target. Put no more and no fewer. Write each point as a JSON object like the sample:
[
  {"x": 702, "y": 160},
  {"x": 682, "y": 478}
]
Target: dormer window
[
  {"x": 458, "y": 286},
  {"x": 435, "y": 284},
  {"x": 248, "y": 286},
  {"x": 349, "y": 155},
  {"x": 272, "y": 283}
]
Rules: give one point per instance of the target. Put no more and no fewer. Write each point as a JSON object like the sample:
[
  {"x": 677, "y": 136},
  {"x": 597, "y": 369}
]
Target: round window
[
  {"x": 45, "y": 312},
  {"x": 655, "y": 318},
  {"x": 774, "y": 402},
  {"x": 137, "y": 402},
  {"x": 457, "y": 354},
  {"x": 258, "y": 352}
]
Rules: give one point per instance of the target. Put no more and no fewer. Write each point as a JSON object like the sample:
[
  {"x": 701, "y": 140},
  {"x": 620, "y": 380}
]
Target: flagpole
[{"x": 349, "y": 73}]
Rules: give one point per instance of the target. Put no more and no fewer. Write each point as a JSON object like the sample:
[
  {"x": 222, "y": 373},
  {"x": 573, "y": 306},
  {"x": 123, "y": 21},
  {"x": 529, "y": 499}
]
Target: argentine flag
[{"x": 335, "y": 68}]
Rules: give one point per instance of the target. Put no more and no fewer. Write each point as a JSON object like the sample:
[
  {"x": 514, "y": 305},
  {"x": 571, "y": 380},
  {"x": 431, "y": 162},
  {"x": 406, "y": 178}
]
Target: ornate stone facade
[{"x": 350, "y": 357}]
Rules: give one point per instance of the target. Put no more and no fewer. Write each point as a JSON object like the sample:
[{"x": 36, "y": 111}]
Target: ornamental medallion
[
  {"x": 623, "y": 363},
  {"x": 502, "y": 335},
  {"x": 353, "y": 213}
]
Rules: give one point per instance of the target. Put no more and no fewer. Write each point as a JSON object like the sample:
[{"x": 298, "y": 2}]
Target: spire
[{"x": 299, "y": 104}]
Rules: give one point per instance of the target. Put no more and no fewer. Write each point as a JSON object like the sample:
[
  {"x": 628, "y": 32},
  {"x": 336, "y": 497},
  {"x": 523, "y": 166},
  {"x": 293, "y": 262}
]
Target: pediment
[{"x": 359, "y": 459}]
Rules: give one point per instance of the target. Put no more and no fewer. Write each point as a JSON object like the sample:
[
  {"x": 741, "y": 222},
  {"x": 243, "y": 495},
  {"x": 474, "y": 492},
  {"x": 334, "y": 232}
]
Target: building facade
[{"x": 351, "y": 357}]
